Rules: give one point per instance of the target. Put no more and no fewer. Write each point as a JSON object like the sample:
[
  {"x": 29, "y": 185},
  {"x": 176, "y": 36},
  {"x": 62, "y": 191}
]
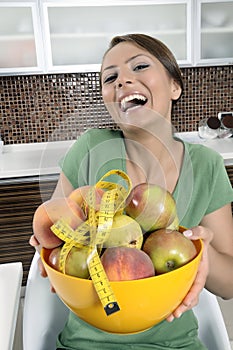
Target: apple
[
  {"x": 80, "y": 196},
  {"x": 125, "y": 231},
  {"x": 49, "y": 213},
  {"x": 76, "y": 261},
  {"x": 152, "y": 206},
  {"x": 169, "y": 250},
  {"x": 125, "y": 264}
]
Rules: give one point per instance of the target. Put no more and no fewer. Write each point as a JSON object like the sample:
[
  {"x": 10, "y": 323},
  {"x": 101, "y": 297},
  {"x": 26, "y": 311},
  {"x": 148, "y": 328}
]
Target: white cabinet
[
  {"x": 214, "y": 41},
  {"x": 43, "y": 36},
  {"x": 77, "y": 33},
  {"x": 19, "y": 37}
]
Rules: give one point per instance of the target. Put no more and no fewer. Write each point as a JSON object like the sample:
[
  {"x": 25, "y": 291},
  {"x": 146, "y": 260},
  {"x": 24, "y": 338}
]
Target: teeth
[{"x": 131, "y": 98}]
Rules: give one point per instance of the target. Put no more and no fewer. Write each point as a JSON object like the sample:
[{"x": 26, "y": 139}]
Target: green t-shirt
[{"x": 202, "y": 188}]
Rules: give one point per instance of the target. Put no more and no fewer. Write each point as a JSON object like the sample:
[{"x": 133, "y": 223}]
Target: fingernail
[
  {"x": 171, "y": 318},
  {"x": 179, "y": 314},
  {"x": 188, "y": 233}
]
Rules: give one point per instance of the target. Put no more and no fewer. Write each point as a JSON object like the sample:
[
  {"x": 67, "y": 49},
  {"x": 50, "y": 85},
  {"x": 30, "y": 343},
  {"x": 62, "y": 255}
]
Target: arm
[
  {"x": 215, "y": 270},
  {"x": 220, "y": 252},
  {"x": 63, "y": 188},
  {"x": 51, "y": 211}
]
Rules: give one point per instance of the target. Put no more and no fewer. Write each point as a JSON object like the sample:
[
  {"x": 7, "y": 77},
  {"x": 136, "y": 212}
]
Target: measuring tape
[{"x": 94, "y": 232}]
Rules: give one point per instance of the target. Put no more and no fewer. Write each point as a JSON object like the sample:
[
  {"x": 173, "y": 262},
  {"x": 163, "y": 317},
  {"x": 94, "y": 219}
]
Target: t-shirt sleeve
[
  {"x": 221, "y": 190},
  {"x": 203, "y": 187},
  {"x": 74, "y": 163},
  {"x": 94, "y": 153}
]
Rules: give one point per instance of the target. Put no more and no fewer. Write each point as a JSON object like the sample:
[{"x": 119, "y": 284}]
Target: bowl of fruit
[{"x": 125, "y": 272}]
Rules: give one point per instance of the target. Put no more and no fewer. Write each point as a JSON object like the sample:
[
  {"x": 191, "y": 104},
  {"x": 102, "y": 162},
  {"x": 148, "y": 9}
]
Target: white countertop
[
  {"x": 32, "y": 159},
  {"x": 35, "y": 159},
  {"x": 222, "y": 146}
]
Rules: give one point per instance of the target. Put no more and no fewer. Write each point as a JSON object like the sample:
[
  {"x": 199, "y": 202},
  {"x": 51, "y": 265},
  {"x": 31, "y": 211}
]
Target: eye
[
  {"x": 109, "y": 78},
  {"x": 141, "y": 66}
]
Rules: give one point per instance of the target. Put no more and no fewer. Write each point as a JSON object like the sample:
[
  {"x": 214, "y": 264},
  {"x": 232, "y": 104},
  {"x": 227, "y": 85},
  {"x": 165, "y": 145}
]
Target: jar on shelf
[
  {"x": 226, "y": 129},
  {"x": 209, "y": 128}
]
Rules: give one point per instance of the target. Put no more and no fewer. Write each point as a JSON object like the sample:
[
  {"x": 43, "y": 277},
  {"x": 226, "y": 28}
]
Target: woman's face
[{"x": 133, "y": 80}]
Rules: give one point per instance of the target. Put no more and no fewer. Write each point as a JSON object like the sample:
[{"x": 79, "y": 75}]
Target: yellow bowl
[{"x": 143, "y": 303}]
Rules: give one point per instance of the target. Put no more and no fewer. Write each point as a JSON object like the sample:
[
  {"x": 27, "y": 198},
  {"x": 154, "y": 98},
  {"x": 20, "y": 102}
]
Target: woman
[{"x": 140, "y": 82}]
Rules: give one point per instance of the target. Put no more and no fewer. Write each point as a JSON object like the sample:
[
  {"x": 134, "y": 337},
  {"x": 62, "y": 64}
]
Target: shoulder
[
  {"x": 101, "y": 134},
  {"x": 93, "y": 137},
  {"x": 203, "y": 155}
]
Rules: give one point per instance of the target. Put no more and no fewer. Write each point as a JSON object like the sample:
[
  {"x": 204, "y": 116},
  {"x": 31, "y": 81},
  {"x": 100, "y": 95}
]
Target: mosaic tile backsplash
[{"x": 53, "y": 107}]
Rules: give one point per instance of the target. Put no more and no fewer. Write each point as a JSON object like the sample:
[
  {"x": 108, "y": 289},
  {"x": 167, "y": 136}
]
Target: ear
[{"x": 175, "y": 90}]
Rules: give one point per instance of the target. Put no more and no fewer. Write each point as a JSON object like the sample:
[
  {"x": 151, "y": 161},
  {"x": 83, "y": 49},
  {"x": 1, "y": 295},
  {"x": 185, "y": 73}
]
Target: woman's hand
[
  {"x": 34, "y": 243},
  {"x": 191, "y": 299}
]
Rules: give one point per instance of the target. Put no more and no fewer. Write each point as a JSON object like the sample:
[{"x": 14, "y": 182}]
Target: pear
[{"x": 125, "y": 232}]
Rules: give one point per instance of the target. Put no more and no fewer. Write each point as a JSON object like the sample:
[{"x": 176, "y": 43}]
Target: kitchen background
[
  {"x": 54, "y": 107},
  {"x": 48, "y": 92},
  {"x": 41, "y": 108}
]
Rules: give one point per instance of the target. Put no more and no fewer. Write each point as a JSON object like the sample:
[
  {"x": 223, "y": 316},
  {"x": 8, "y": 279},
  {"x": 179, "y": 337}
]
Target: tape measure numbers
[
  {"x": 101, "y": 283},
  {"x": 94, "y": 232}
]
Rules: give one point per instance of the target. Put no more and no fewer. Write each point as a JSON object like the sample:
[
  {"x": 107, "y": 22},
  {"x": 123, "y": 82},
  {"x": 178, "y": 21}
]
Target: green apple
[
  {"x": 169, "y": 250},
  {"x": 125, "y": 231},
  {"x": 76, "y": 261},
  {"x": 152, "y": 206}
]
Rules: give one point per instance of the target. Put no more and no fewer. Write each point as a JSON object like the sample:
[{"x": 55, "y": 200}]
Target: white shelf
[
  {"x": 227, "y": 30},
  {"x": 95, "y": 34},
  {"x": 7, "y": 38}
]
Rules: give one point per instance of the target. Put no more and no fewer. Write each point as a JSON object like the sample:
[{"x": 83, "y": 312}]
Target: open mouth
[{"x": 132, "y": 101}]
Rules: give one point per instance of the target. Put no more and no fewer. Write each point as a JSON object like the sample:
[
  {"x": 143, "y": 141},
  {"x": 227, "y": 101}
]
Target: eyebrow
[{"x": 127, "y": 61}]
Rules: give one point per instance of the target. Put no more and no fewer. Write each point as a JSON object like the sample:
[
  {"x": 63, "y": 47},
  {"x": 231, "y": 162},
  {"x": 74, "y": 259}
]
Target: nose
[
  {"x": 123, "y": 79},
  {"x": 120, "y": 84}
]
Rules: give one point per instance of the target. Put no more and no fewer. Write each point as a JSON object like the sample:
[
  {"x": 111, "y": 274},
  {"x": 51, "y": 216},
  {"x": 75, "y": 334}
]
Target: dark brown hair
[{"x": 156, "y": 48}]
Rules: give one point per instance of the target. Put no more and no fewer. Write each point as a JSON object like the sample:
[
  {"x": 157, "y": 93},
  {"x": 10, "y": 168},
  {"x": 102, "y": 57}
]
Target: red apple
[
  {"x": 80, "y": 196},
  {"x": 125, "y": 264},
  {"x": 76, "y": 261},
  {"x": 151, "y": 206},
  {"x": 168, "y": 250},
  {"x": 49, "y": 213}
]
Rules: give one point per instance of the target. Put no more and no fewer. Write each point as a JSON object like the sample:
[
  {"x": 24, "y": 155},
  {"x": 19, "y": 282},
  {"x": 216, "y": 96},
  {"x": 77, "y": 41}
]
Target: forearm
[{"x": 220, "y": 277}]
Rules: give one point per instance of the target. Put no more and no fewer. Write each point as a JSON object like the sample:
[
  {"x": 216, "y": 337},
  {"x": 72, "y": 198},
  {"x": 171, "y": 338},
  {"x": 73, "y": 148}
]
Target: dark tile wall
[{"x": 40, "y": 108}]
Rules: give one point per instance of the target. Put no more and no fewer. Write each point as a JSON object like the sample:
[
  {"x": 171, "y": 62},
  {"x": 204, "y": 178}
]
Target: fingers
[
  {"x": 199, "y": 232},
  {"x": 33, "y": 241},
  {"x": 52, "y": 289},
  {"x": 192, "y": 297},
  {"x": 42, "y": 269}
]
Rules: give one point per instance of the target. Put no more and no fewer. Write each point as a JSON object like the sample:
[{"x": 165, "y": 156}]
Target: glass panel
[
  {"x": 17, "y": 42},
  {"x": 219, "y": 45},
  {"x": 80, "y": 35},
  {"x": 217, "y": 30}
]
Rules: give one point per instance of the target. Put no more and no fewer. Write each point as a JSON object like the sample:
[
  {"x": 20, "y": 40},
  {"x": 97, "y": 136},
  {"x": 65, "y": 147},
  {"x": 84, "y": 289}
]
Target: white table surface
[{"x": 10, "y": 286}]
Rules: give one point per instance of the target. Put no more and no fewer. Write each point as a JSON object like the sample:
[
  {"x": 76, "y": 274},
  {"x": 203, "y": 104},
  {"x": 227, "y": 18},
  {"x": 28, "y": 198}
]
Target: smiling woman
[{"x": 140, "y": 83}]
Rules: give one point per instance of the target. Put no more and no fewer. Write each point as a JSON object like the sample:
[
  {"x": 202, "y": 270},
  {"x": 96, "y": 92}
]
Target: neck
[
  {"x": 156, "y": 138},
  {"x": 154, "y": 157}
]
